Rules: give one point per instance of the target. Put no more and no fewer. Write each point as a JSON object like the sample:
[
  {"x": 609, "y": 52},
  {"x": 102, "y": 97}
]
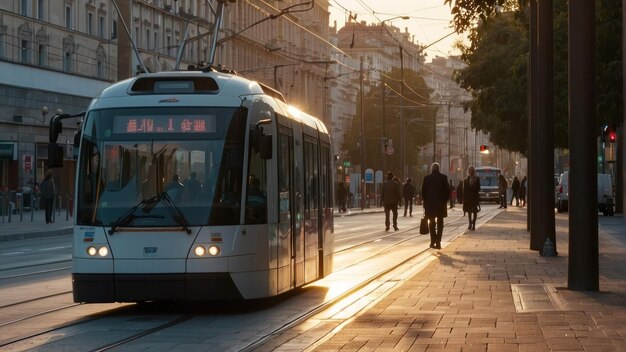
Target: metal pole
[
  {"x": 363, "y": 184},
  {"x": 583, "y": 261},
  {"x": 384, "y": 158},
  {"x": 449, "y": 137},
  {"x": 435, "y": 135},
  {"x": 545, "y": 125},
  {"x": 533, "y": 151},
  {"x": 402, "y": 131}
]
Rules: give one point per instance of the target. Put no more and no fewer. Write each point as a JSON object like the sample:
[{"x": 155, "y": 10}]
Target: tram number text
[{"x": 150, "y": 251}]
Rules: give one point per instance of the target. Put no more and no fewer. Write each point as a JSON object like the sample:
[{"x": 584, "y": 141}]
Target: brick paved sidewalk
[{"x": 468, "y": 299}]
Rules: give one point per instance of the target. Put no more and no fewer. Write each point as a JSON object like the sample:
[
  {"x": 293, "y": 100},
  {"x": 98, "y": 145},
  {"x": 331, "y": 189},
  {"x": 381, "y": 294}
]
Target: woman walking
[{"x": 471, "y": 200}]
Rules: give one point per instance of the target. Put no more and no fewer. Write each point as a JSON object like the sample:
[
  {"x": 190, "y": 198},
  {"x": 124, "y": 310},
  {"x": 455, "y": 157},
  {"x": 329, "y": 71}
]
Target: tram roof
[{"x": 227, "y": 87}]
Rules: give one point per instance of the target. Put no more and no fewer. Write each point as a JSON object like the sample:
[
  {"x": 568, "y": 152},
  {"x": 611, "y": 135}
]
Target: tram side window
[
  {"x": 311, "y": 176},
  {"x": 90, "y": 184},
  {"x": 256, "y": 198},
  {"x": 284, "y": 175}
]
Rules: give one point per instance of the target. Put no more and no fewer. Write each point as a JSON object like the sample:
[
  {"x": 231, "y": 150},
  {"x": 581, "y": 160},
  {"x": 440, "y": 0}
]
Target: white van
[
  {"x": 606, "y": 202},
  {"x": 562, "y": 192}
]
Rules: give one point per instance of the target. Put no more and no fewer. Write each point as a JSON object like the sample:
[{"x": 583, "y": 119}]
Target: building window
[
  {"x": 156, "y": 41},
  {"x": 101, "y": 27},
  {"x": 40, "y": 9},
  {"x": 24, "y": 8},
  {"x": 67, "y": 62},
  {"x": 90, "y": 23},
  {"x": 1, "y": 46},
  {"x": 41, "y": 55},
  {"x": 68, "y": 17},
  {"x": 148, "y": 39},
  {"x": 114, "y": 30},
  {"x": 100, "y": 69},
  {"x": 24, "y": 51},
  {"x": 169, "y": 44}
]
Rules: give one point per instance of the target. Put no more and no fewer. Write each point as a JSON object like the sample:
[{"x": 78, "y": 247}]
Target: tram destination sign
[{"x": 164, "y": 124}]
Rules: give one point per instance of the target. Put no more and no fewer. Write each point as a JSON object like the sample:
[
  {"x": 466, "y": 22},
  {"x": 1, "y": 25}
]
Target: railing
[{"x": 12, "y": 205}]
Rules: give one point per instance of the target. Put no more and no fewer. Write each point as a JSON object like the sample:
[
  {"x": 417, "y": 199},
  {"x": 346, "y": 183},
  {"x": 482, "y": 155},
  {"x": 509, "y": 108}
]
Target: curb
[{"x": 26, "y": 236}]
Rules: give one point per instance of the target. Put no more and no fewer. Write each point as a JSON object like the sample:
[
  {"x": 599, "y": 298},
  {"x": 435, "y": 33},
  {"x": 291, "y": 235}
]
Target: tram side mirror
[
  {"x": 55, "y": 155},
  {"x": 266, "y": 147}
]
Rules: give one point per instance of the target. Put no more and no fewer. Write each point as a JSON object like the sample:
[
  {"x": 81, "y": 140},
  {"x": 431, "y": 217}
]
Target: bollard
[
  {"x": 21, "y": 199},
  {"x": 32, "y": 207},
  {"x": 548, "y": 249}
]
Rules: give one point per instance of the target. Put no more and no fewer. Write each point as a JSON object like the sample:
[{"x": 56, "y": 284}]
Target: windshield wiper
[
  {"x": 149, "y": 204},
  {"x": 174, "y": 211},
  {"x": 129, "y": 216}
]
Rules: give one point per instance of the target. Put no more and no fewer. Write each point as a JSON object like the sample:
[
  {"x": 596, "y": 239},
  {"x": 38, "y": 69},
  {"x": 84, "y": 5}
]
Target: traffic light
[
  {"x": 484, "y": 149},
  {"x": 608, "y": 134}
]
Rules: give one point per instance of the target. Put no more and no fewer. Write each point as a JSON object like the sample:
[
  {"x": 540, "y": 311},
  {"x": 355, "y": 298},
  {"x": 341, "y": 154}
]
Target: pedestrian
[
  {"x": 193, "y": 187},
  {"x": 471, "y": 199},
  {"x": 175, "y": 188},
  {"x": 390, "y": 196},
  {"x": 515, "y": 190},
  {"x": 459, "y": 192},
  {"x": 48, "y": 192},
  {"x": 341, "y": 197},
  {"x": 503, "y": 184},
  {"x": 522, "y": 191},
  {"x": 435, "y": 193},
  {"x": 408, "y": 192},
  {"x": 452, "y": 194}
]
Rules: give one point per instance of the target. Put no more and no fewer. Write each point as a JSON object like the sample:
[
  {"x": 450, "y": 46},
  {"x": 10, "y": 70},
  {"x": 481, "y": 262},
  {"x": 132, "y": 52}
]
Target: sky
[{"x": 429, "y": 20}]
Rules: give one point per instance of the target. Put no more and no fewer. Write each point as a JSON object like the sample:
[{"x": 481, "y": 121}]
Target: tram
[
  {"x": 198, "y": 185},
  {"x": 489, "y": 183}
]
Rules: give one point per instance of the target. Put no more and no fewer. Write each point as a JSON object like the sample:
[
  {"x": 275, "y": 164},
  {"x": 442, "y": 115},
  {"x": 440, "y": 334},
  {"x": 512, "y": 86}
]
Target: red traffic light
[
  {"x": 612, "y": 136},
  {"x": 484, "y": 148}
]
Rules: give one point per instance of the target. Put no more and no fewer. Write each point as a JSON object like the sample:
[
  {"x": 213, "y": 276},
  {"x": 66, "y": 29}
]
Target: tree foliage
[
  {"x": 418, "y": 117},
  {"x": 497, "y": 72}
]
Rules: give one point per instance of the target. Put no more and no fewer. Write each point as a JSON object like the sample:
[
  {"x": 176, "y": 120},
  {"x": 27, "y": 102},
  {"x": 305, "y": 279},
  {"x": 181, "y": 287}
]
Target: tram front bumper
[{"x": 107, "y": 288}]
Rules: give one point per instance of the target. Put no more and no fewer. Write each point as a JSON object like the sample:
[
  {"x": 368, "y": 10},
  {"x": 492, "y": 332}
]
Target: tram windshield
[
  {"x": 488, "y": 177},
  {"x": 131, "y": 155}
]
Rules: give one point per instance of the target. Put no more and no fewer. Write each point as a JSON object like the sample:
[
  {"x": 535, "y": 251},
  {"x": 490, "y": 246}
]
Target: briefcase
[{"x": 424, "y": 226}]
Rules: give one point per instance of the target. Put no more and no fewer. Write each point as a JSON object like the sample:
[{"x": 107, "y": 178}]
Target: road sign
[
  {"x": 389, "y": 150},
  {"x": 369, "y": 176}
]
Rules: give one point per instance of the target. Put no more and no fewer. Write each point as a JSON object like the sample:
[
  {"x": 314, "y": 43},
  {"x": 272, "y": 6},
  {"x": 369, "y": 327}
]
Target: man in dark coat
[
  {"x": 408, "y": 192},
  {"x": 435, "y": 192},
  {"x": 390, "y": 196}
]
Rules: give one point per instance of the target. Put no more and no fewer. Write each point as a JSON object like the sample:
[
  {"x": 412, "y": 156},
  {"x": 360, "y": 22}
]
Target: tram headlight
[
  {"x": 103, "y": 251},
  {"x": 214, "y": 250},
  {"x": 199, "y": 250}
]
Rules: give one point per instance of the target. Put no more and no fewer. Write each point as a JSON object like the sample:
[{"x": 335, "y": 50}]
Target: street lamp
[
  {"x": 382, "y": 23},
  {"x": 44, "y": 112}
]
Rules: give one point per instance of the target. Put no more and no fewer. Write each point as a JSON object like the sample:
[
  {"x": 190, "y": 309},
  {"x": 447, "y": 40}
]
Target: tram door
[
  {"x": 298, "y": 241},
  {"x": 290, "y": 253}
]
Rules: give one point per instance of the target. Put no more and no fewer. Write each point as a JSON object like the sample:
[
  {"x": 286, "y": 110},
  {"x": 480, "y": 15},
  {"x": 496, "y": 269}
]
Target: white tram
[{"x": 198, "y": 186}]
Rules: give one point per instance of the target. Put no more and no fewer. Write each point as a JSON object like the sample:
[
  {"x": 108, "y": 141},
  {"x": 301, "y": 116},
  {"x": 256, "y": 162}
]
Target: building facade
[{"x": 56, "y": 55}]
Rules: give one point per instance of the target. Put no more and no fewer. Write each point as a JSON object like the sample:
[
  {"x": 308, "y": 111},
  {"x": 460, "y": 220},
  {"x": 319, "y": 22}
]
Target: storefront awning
[{"x": 8, "y": 151}]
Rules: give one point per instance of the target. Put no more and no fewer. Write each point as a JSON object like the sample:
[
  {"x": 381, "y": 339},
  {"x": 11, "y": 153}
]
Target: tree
[
  {"x": 499, "y": 48},
  {"x": 418, "y": 133}
]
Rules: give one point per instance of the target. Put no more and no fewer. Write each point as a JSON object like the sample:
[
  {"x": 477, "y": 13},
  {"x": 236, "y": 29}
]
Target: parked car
[{"x": 605, "y": 199}]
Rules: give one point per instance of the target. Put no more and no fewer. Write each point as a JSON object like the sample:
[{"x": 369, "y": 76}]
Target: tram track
[
  {"x": 363, "y": 288},
  {"x": 356, "y": 289}
]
